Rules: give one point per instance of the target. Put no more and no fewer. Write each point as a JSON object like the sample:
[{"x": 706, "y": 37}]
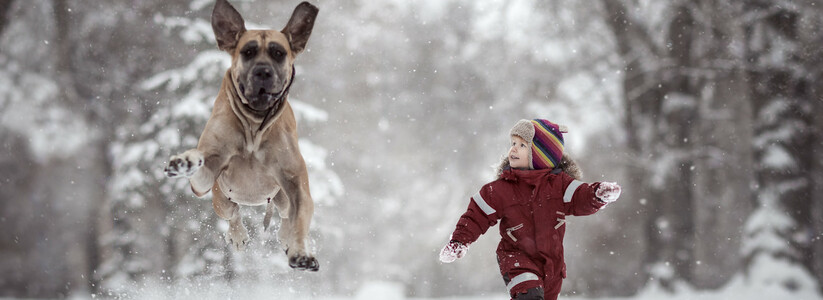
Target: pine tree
[{"x": 778, "y": 235}]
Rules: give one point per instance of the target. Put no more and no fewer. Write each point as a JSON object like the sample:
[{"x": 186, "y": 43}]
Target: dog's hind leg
[
  {"x": 281, "y": 202},
  {"x": 267, "y": 217},
  {"x": 294, "y": 231},
  {"x": 238, "y": 235}
]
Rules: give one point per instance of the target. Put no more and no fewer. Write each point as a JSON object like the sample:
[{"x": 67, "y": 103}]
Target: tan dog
[{"x": 248, "y": 152}]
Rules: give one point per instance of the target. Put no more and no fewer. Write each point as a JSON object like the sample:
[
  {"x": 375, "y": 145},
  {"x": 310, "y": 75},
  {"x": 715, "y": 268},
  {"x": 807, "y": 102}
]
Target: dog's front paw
[
  {"x": 238, "y": 236},
  {"x": 185, "y": 164}
]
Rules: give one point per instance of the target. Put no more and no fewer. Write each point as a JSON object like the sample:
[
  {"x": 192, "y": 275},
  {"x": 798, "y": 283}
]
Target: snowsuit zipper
[{"x": 510, "y": 230}]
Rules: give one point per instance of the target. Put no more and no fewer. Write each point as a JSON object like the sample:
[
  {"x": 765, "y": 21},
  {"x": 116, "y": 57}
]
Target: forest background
[{"x": 706, "y": 111}]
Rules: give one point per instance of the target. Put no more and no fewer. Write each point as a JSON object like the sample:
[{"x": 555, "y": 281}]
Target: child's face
[{"x": 519, "y": 153}]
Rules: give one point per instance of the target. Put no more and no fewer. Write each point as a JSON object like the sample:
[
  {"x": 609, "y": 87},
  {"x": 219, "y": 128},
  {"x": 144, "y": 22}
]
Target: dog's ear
[
  {"x": 300, "y": 25},
  {"x": 227, "y": 24}
]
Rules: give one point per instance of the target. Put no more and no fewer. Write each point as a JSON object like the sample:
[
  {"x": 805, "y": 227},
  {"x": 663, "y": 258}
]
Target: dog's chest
[{"x": 248, "y": 181}]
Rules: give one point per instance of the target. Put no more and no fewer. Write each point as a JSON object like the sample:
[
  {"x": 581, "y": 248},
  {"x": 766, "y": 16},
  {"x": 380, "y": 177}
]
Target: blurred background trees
[
  {"x": 703, "y": 110},
  {"x": 718, "y": 97}
]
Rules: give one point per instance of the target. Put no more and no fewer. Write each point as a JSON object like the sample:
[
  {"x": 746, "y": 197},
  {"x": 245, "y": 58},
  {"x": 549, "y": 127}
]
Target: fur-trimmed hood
[{"x": 567, "y": 165}]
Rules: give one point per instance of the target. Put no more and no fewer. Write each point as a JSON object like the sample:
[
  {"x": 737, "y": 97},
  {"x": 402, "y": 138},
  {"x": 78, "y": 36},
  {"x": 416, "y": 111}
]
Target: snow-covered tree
[
  {"x": 780, "y": 234},
  {"x": 53, "y": 139},
  {"x": 686, "y": 114},
  {"x": 771, "y": 260},
  {"x": 702, "y": 78}
]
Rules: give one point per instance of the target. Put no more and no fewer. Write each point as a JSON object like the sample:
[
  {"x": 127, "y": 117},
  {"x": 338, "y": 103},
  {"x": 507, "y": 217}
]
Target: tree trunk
[
  {"x": 813, "y": 59},
  {"x": 5, "y": 13},
  {"x": 634, "y": 103},
  {"x": 817, "y": 183},
  {"x": 81, "y": 248},
  {"x": 687, "y": 113},
  {"x": 723, "y": 162},
  {"x": 680, "y": 111},
  {"x": 660, "y": 108}
]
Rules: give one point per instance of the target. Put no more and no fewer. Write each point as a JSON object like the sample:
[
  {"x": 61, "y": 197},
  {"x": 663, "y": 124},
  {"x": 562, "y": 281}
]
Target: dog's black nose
[{"x": 262, "y": 72}]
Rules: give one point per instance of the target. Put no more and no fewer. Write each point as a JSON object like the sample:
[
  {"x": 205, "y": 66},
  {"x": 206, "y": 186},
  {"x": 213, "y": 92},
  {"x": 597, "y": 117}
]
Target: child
[{"x": 536, "y": 188}]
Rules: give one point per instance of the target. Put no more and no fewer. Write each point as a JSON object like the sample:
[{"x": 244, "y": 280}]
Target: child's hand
[
  {"x": 608, "y": 191},
  {"x": 453, "y": 251}
]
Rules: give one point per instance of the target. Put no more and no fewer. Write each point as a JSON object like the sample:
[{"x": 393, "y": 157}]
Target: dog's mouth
[{"x": 261, "y": 99}]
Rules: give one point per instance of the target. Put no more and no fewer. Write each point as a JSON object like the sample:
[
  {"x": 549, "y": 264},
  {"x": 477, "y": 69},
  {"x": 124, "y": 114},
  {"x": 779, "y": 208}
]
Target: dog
[{"x": 248, "y": 152}]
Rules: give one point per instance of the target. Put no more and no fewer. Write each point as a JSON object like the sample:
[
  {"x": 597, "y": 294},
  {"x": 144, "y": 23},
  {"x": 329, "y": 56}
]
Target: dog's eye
[
  {"x": 277, "y": 54},
  {"x": 249, "y": 53}
]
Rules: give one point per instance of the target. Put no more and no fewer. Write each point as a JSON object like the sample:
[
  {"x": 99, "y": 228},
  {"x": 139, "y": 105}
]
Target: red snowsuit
[{"x": 532, "y": 206}]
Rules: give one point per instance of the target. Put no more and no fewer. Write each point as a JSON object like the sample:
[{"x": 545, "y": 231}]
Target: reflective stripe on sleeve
[
  {"x": 521, "y": 279},
  {"x": 483, "y": 205},
  {"x": 567, "y": 196}
]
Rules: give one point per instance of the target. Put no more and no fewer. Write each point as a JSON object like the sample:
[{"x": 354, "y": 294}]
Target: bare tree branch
[{"x": 622, "y": 23}]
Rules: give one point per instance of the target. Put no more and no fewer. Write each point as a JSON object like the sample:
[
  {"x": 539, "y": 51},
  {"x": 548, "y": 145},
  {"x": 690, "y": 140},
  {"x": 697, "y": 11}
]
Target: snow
[
  {"x": 776, "y": 157},
  {"x": 738, "y": 288},
  {"x": 675, "y": 102},
  {"x": 26, "y": 101},
  {"x": 191, "y": 30},
  {"x": 306, "y": 112},
  {"x": 575, "y": 89},
  {"x": 192, "y": 105},
  {"x": 780, "y": 276},
  {"x": 326, "y": 185},
  {"x": 208, "y": 65},
  {"x": 766, "y": 217},
  {"x": 381, "y": 289}
]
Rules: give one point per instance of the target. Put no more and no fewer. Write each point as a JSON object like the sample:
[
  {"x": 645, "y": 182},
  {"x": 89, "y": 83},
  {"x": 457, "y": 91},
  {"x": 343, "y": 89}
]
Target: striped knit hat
[{"x": 546, "y": 140}]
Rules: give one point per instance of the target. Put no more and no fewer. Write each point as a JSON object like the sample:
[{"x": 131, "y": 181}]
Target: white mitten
[
  {"x": 453, "y": 251},
  {"x": 608, "y": 191}
]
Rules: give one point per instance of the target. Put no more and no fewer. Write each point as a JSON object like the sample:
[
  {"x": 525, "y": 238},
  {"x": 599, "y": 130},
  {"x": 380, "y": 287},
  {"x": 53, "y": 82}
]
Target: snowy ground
[
  {"x": 688, "y": 296},
  {"x": 393, "y": 291}
]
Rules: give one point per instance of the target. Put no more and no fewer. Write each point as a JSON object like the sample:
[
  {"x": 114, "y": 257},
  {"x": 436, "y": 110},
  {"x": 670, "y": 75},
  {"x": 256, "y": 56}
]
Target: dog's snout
[{"x": 263, "y": 72}]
